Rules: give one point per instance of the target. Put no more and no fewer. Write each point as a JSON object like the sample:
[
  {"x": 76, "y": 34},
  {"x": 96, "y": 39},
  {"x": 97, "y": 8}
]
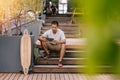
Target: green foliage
[
  {"x": 103, "y": 20},
  {"x": 55, "y": 1},
  {"x": 14, "y": 7},
  {"x": 34, "y": 5}
]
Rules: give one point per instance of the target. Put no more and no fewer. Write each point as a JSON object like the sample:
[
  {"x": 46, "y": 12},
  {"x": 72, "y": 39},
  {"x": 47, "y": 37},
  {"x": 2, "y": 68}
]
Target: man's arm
[
  {"x": 42, "y": 38},
  {"x": 63, "y": 41}
]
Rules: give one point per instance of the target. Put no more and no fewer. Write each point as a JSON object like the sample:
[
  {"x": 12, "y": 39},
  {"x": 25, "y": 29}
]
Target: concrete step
[{"x": 68, "y": 68}]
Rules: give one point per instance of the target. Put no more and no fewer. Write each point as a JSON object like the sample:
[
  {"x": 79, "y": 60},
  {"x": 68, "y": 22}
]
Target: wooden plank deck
[{"x": 54, "y": 76}]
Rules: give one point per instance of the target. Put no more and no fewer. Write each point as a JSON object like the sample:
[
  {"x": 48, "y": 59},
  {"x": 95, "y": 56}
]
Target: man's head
[{"x": 54, "y": 25}]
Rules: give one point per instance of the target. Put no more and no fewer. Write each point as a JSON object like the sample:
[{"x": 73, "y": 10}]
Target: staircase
[{"x": 74, "y": 59}]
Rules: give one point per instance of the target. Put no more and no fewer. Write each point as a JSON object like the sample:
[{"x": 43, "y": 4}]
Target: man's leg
[
  {"x": 44, "y": 45},
  {"x": 62, "y": 52},
  {"x": 47, "y": 46}
]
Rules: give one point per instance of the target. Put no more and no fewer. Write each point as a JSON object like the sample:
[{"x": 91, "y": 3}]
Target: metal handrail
[{"x": 74, "y": 13}]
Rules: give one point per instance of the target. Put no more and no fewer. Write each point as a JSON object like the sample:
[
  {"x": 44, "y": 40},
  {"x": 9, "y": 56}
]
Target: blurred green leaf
[{"x": 103, "y": 20}]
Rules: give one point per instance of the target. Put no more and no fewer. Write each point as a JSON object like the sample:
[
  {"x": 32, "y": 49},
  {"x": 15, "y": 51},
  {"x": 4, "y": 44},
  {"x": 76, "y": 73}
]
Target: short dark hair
[{"x": 55, "y": 23}]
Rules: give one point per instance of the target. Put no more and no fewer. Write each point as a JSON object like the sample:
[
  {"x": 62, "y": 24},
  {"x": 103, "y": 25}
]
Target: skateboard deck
[{"x": 25, "y": 53}]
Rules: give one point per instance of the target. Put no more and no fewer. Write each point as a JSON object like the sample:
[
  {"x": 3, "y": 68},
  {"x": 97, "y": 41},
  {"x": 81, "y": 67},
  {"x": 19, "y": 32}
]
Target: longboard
[{"x": 25, "y": 53}]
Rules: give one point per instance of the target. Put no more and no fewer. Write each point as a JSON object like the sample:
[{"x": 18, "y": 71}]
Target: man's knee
[{"x": 62, "y": 45}]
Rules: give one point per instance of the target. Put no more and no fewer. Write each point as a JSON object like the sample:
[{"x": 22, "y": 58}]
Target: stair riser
[
  {"x": 66, "y": 32},
  {"x": 55, "y": 62},
  {"x": 68, "y": 54},
  {"x": 61, "y": 25},
  {"x": 66, "y": 70},
  {"x": 67, "y": 21},
  {"x": 63, "y": 28},
  {"x": 58, "y": 70},
  {"x": 58, "y": 18},
  {"x": 59, "y": 15},
  {"x": 71, "y": 35},
  {"x": 75, "y": 48}
]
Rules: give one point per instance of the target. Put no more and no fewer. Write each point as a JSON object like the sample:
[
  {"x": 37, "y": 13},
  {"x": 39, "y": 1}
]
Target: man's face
[{"x": 54, "y": 28}]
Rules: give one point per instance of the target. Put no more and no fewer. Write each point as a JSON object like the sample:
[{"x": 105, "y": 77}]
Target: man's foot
[
  {"x": 46, "y": 56},
  {"x": 60, "y": 64}
]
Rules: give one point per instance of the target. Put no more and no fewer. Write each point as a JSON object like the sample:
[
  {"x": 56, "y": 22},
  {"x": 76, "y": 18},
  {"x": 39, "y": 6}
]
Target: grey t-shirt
[{"x": 58, "y": 36}]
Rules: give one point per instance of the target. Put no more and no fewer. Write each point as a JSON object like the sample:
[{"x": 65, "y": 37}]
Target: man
[
  {"x": 58, "y": 42},
  {"x": 53, "y": 9}
]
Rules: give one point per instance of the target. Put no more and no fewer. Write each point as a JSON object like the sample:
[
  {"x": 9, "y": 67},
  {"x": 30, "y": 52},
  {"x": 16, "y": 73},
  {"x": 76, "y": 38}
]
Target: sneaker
[
  {"x": 60, "y": 64},
  {"x": 47, "y": 56}
]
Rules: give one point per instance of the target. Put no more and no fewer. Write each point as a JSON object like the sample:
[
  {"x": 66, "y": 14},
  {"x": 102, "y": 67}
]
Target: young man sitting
[{"x": 54, "y": 39}]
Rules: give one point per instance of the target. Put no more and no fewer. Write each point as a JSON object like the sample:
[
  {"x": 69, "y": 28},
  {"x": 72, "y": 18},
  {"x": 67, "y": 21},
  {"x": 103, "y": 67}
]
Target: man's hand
[
  {"x": 56, "y": 41},
  {"x": 44, "y": 39}
]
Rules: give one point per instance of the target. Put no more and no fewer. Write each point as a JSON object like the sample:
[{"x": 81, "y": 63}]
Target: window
[{"x": 63, "y": 6}]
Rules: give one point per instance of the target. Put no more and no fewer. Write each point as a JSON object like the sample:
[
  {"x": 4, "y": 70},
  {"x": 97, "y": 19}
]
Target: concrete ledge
[{"x": 10, "y": 53}]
